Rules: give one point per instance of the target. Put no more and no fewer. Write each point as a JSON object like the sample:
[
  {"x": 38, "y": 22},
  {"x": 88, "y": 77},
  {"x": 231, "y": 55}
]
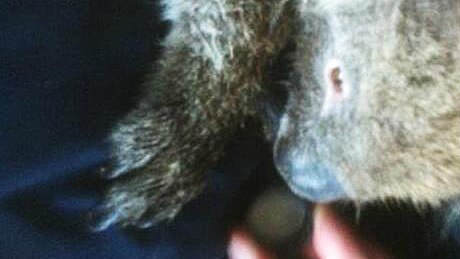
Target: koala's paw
[{"x": 143, "y": 198}]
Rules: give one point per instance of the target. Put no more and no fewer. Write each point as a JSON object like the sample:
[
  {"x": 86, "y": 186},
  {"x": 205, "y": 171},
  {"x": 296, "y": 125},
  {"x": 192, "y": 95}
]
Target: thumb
[
  {"x": 333, "y": 239},
  {"x": 243, "y": 247}
]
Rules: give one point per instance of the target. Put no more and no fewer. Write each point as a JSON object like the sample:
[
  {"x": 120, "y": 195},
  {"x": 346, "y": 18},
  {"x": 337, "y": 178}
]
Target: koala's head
[{"x": 374, "y": 107}]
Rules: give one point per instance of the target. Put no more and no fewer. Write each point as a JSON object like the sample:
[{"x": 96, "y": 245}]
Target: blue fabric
[{"x": 68, "y": 70}]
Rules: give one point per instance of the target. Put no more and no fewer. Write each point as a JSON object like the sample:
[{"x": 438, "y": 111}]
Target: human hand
[{"x": 331, "y": 239}]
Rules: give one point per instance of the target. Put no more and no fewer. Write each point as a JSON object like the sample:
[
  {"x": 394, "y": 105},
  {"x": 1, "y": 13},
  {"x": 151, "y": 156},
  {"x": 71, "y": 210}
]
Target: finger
[
  {"x": 243, "y": 247},
  {"x": 332, "y": 238}
]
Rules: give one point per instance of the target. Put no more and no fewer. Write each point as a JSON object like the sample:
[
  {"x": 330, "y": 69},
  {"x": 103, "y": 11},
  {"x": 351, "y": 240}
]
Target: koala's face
[{"x": 374, "y": 108}]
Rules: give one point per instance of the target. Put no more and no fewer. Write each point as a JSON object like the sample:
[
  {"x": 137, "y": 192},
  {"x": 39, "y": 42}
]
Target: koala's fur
[{"x": 398, "y": 131}]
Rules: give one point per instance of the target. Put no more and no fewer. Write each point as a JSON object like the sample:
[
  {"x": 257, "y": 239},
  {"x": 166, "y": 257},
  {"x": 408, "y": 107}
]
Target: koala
[{"x": 372, "y": 111}]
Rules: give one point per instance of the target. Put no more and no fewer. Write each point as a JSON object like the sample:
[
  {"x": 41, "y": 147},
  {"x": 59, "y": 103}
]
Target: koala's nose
[{"x": 313, "y": 180}]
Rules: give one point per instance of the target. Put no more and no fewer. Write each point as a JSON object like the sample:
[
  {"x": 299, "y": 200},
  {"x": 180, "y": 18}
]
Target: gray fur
[
  {"x": 397, "y": 129},
  {"x": 206, "y": 85}
]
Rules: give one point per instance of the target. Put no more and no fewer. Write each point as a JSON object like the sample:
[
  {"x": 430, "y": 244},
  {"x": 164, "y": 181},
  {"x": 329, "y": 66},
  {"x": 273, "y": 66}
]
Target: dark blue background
[{"x": 68, "y": 70}]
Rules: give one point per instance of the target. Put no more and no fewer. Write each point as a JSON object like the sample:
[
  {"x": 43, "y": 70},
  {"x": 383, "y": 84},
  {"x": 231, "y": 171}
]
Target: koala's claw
[
  {"x": 143, "y": 198},
  {"x": 102, "y": 217},
  {"x": 111, "y": 170},
  {"x": 106, "y": 171},
  {"x": 128, "y": 214},
  {"x": 147, "y": 220}
]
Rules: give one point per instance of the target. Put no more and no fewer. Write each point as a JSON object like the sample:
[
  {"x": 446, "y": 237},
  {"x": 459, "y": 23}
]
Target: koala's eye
[
  {"x": 337, "y": 87},
  {"x": 336, "y": 81},
  {"x": 334, "y": 76}
]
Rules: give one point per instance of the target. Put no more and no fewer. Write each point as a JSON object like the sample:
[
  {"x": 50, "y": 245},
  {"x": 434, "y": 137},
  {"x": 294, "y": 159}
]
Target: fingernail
[{"x": 240, "y": 248}]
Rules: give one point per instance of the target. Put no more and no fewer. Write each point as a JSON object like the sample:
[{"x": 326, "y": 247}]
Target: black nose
[{"x": 311, "y": 179}]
